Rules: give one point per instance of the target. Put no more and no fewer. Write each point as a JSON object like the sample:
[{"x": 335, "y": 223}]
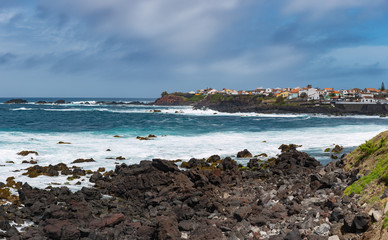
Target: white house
[
  {"x": 368, "y": 100},
  {"x": 312, "y": 93},
  {"x": 268, "y": 90}
]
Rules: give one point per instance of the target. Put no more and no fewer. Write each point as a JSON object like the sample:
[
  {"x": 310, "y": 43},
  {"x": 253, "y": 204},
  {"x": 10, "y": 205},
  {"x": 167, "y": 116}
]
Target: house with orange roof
[
  {"x": 328, "y": 89},
  {"x": 370, "y": 90},
  {"x": 293, "y": 94}
]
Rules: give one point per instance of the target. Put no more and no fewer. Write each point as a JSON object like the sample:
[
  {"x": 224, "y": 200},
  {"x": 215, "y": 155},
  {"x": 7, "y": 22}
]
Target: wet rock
[
  {"x": 253, "y": 163},
  {"x": 164, "y": 165},
  {"x": 50, "y": 170},
  {"x": 193, "y": 163},
  {"x": 25, "y": 153},
  {"x": 337, "y": 149},
  {"x": 288, "y": 148},
  {"x": 228, "y": 164},
  {"x": 81, "y": 160},
  {"x": 146, "y": 138},
  {"x": 213, "y": 158},
  {"x": 60, "y": 101},
  {"x": 244, "y": 154}
]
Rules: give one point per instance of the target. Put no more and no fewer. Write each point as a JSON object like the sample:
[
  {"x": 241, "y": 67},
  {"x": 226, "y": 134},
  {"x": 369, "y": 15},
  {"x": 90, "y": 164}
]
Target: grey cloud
[
  {"x": 172, "y": 25},
  {"x": 6, "y": 58}
]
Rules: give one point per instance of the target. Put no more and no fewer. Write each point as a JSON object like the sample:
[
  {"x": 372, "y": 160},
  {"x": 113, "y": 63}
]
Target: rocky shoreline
[
  {"x": 288, "y": 197},
  {"x": 249, "y": 103}
]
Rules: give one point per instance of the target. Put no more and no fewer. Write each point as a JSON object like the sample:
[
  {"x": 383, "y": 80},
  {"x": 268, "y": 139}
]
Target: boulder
[
  {"x": 361, "y": 222},
  {"x": 81, "y": 160},
  {"x": 375, "y": 214},
  {"x": 242, "y": 213},
  {"x": 244, "y": 154},
  {"x": 60, "y": 101},
  {"x": 168, "y": 228},
  {"x": 164, "y": 165},
  {"x": 213, "y": 158},
  {"x": 228, "y": 164},
  {"x": 337, "y": 149},
  {"x": 25, "y": 153}
]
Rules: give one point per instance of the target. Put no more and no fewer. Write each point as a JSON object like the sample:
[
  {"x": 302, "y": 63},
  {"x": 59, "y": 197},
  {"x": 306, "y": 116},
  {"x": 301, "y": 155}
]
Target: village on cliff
[{"x": 367, "y": 95}]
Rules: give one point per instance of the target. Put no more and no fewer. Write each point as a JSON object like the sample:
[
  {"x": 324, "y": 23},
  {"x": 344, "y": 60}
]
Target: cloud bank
[{"x": 138, "y": 48}]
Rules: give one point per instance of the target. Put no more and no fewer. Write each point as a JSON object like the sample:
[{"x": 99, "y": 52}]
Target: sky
[{"x": 139, "y": 48}]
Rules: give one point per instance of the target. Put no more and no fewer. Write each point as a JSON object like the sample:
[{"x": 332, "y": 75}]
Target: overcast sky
[{"x": 139, "y": 48}]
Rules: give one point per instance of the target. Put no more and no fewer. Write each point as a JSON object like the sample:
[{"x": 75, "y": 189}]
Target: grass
[
  {"x": 380, "y": 173},
  {"x": 196, "y": 98},
  {"x": 385, "y": 221},
  {"x": 215, "y": 98},
  {"x": 368, "y": 148}
]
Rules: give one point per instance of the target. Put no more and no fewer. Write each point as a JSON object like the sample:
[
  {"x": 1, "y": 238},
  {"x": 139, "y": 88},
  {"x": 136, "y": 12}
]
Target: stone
[
  {"x": 361, "y": 222},
  {"x": 168, "y": 228},
  {"x": 213, "y": 158},
  {"x": 244, "y": 154},
  {"x": 60, "y": 101},
  {"x": 81, "y": 160},
  {"x": 25, "y": 153},
  {"x": 337, "y": 149},
  {"x": 294, "y": 235},
  {"x": 375, "y": 214},
  {"x": 242, "y": 213},
  {"x": 164, "y": 165},
  {"x": 323, "y": 230},
  {"x": 334, "y": 237},
  {"x": 228, "y": 164}
]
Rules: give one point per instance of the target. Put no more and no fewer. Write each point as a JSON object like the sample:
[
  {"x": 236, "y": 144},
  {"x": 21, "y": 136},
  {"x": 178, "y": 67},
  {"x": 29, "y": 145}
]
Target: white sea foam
[
  {"x": 92, "y": 145},
  {"x": 185, "y": 110},
  {"x": 22, "y": 109}
]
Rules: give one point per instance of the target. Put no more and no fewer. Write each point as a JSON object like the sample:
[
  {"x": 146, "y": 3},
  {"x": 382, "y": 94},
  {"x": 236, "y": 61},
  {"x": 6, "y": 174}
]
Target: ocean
[{"x": 182, "y": 133}]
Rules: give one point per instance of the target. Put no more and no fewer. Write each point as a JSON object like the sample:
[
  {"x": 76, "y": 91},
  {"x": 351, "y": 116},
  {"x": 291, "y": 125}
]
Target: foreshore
[{"x": 288, "y": 197}]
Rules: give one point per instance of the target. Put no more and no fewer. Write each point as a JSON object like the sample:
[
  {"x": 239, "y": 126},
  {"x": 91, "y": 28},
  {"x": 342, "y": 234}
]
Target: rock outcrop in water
[
  {"x": 16, "y": 101},
  {"x": 290, "y": 197}
]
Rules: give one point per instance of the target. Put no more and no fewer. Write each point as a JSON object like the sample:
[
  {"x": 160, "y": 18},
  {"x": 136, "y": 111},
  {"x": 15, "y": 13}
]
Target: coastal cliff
[{"x": 256, "y": 103}]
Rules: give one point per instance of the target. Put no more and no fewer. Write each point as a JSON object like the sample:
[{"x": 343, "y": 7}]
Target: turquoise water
[{"x": 182, "y": 132}]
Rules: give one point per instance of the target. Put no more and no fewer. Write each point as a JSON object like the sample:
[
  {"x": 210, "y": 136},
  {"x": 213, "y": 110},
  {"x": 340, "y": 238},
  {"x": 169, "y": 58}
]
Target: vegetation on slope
[{"x": 371, "y": 160}]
